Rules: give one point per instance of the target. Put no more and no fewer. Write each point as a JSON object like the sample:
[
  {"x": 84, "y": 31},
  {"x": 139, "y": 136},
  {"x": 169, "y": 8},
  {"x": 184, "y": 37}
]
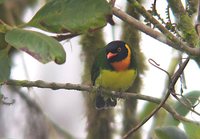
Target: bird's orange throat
[
  {"x": 121, "y": 65},
  {"x": 124, "y": 63}
]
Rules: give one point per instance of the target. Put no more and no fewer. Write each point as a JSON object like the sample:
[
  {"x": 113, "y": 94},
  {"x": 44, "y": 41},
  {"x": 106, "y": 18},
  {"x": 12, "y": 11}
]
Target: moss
[
  {"x": 132, "y": 36},
  {"x": 188, "y": 30},
  {"x": 184, "y": 22},
  {"x": 176, "y": 6},
  {"x": 98, "y": 121}
]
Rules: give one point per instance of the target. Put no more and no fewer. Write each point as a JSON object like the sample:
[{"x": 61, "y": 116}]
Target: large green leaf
[
  {"x": 170, "y": 132},
  {"x": 192, "y": 130},
  {"x": 38, "y": 45},
  {"x": 190, "y": 99},
  {"x": 4, "y": 65},
  {"x": 75, "y": 16}
]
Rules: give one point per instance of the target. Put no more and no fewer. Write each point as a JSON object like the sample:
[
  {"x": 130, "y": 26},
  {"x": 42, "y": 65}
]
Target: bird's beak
[{"x": 110, "y": 55}]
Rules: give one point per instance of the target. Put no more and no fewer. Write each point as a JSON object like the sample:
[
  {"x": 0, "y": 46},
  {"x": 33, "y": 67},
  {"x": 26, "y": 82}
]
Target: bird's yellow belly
[{"x": 118, "y": 81}]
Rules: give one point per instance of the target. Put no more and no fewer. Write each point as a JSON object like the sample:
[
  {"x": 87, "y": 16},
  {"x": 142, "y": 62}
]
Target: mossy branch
[
  {"x": 49, "y": 85},
  {"x": 163, "y": 37},
  {"x": 91, "y": 89},
  {"x": 184, "y": 22}
]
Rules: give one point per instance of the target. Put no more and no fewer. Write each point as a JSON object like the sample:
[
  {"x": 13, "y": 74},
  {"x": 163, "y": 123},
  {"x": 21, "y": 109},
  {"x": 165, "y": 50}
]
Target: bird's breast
[
  {"x": 122, "y": 65},
  {"x": 116, "y": 80}
]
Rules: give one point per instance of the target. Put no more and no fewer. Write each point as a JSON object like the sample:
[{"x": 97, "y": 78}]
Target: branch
[
  {"x": 65, "y": 37},
  {"x": 170, "y": 90},
  {"x": 169, "y": 40},
  {"x": 91, "y": 89},
  {"x": 167, "y": 107},
  {"x": 50, "y": 85},
  {"x": 184, "y": 22}
]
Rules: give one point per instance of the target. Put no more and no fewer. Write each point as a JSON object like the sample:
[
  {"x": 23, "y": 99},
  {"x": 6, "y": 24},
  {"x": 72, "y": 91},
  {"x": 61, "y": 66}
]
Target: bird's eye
[{"x": 119, "y": 49}]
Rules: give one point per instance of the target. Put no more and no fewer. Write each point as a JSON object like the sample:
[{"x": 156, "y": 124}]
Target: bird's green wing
[
  {"x": 99, "y": 63},
  {"x": 95, "y": 71},
  {"x": 133, "y": 60}
]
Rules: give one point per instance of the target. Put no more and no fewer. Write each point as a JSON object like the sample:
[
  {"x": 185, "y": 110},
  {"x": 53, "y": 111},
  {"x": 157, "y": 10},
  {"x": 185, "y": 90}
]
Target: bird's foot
[
  {"x": 100, "y": 102},
  {"x": 111, "y": 102},
  {"x": 120, "y": 94}
]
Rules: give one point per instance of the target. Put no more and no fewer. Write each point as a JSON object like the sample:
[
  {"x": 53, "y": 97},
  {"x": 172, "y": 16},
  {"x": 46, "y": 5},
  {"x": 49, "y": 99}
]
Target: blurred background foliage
[{"x": 35, "y": 123}]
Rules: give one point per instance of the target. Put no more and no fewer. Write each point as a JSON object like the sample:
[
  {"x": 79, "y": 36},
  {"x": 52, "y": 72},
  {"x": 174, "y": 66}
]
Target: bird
[{"x": 115, "y": 69}]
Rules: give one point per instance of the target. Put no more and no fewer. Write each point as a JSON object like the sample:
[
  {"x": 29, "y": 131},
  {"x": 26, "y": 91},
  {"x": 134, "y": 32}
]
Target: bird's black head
[{"x": 116, "y": 51}]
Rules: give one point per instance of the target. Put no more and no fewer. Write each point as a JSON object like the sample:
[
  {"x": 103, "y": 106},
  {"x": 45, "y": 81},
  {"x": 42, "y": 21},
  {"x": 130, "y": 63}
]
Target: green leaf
[
  {"x": 192, "y": 130},
  {"x": 170, "y": 132},
  {"x": 147, "y": 109},
  {"x": 190, "y": 99},
  {"x": 41, "y": 47},
  {"x": 75, "y": 16},
  {"x": 4, "y": 65}
]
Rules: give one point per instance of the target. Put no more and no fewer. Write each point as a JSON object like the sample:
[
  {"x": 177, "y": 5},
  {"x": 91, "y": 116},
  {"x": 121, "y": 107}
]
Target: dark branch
[
  {"x": 170, "y": 90},
  {"x": 65, "y": 37}
]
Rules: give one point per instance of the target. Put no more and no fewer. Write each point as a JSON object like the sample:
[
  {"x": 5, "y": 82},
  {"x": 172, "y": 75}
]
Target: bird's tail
[{"x": 104, "y": 103}]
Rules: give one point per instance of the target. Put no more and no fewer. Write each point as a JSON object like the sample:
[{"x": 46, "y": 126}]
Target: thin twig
[
  {"x": 155, "y": 22},
  {"x": 170, "y": 90},
  {"x": 185, "y": 104},
  {"x": 155, "y": 13},
  {"x": 173, "y": 41},
  {"x": 155, "y": 64},
  {"x": 167, "y": 107},
  {"x": 148, "y": 117},
  {"x": 175, "y": 78}
]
